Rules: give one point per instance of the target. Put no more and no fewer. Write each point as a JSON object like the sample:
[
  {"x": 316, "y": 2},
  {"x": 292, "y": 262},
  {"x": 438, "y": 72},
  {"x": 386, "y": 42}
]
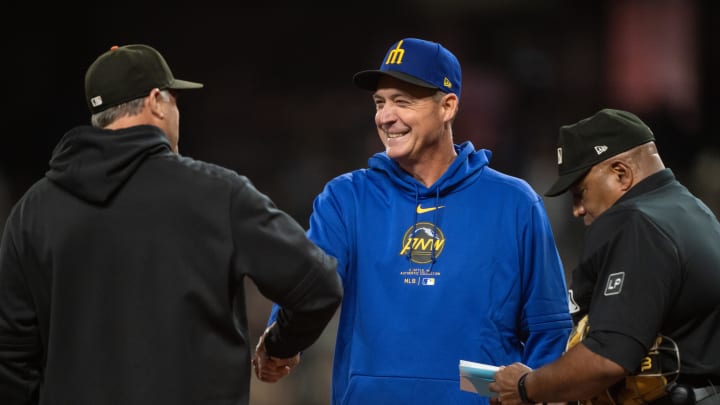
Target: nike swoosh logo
[{"x": 421, "y": 210}]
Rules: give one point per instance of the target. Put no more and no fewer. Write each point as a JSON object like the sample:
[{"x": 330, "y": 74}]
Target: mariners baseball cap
[
  {"x": 592, "y": 140},
  {"x": 419, "y": 62},
  {"x": 128, "y": 72}
]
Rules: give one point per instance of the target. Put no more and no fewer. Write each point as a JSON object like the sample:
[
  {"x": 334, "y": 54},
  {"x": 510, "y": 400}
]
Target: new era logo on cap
[{"x": 419, "y": 62}]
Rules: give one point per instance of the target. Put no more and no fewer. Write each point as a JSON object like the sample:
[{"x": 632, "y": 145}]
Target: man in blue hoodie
[{"x": 442, "y": 258}]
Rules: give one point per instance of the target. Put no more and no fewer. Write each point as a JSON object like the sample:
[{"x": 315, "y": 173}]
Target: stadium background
[{"x": 279, "y": 105}]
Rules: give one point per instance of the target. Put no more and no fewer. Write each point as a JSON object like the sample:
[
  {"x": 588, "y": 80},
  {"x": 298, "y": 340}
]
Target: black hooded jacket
[{"x": 121, "y": 277}]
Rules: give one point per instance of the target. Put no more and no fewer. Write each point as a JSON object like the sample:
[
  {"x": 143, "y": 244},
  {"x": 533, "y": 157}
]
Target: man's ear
[
  {"x": 450, "y": 103},
  {"x": 154, "y": 104},
  {"x": 623, "y": 173}
]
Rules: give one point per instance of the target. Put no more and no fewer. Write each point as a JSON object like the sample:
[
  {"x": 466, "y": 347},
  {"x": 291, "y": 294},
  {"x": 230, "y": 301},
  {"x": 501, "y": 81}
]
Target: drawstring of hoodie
[
  {"x": 433, "y": 256},
  {"x": 412, "y": 234},
  {"x": 435, "y": 214}
]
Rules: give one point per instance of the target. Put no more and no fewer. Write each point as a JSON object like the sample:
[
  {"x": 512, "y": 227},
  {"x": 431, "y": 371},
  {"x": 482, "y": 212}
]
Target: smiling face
[{"x": 413, "y": 122}]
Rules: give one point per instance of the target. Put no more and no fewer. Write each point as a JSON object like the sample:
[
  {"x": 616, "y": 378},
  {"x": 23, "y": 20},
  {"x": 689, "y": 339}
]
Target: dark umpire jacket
[
  {"x": 651, "y": 264},
  {"x": 121, "y": 277}
]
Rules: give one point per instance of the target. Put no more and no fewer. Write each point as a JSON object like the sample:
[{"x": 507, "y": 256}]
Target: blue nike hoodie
[{"x": 465, "y": 269}]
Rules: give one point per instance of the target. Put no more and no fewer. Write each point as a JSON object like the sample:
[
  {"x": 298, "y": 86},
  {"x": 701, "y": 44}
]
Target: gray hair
[{"x": 132, "y": 107}]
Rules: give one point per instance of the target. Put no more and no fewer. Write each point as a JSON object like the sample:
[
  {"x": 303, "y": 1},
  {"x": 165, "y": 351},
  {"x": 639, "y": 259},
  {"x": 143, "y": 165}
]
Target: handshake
[{"x": 271, "y": 369}]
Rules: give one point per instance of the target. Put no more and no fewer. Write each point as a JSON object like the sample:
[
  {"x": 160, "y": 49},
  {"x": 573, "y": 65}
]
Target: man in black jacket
[
  {"x": 645, "y": 291},
  {"x": 121, "y": 271}
]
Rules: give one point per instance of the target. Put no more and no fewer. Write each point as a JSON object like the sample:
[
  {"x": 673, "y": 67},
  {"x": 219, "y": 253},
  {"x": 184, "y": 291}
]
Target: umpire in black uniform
[{"x": 645, "y": 292}]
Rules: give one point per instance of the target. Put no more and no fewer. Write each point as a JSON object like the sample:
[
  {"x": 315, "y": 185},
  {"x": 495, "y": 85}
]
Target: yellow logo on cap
[
  {"x": 395, "y": 56},
  {"x": 447, "y": 83}
]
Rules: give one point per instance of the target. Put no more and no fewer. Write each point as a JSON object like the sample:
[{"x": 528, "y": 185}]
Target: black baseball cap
[
  {"x": 592, "y": 140},
  {"x": 419, "y": 62},
  {"x": 128, "y": 72}
]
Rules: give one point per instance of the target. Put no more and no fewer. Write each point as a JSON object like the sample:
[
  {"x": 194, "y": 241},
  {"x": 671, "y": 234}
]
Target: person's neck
[
  {"x": 128, "y": 121},
  {"x": 429, "y": 169},
  {"x": 647, "y": 165}
]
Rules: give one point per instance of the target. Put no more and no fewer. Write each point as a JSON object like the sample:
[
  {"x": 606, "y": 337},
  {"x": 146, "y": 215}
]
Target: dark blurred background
[{"x": 279, "y": 105}]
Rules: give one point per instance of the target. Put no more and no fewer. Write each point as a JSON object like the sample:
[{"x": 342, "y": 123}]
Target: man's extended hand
[{"x": 271, "y": 369}]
